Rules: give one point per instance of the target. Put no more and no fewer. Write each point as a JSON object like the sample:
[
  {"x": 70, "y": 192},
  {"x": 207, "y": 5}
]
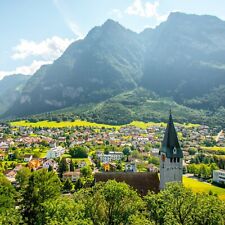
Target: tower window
[
  {"x": 171, "y": 159},
  {"x": 175, "y": 159},
  {"x": 178, "y": 159},
  {"x": 174, "y": 150}
]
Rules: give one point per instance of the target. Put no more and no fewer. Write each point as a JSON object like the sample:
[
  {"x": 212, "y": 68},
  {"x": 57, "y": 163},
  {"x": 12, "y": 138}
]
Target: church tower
[{"x": 171, "y": 156}]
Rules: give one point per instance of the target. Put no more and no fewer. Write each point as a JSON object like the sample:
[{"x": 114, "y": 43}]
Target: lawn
[{"x": 198, "y": 186}]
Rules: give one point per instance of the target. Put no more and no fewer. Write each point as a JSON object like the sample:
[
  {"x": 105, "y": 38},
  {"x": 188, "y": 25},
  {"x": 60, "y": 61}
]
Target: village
[{"x": 76, "y": 152}]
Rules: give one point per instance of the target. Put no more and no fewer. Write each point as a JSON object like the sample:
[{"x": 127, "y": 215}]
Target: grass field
[
  {"x": 53, "y": 124},
  {"x": 80, "y": 123},
  {"x": 198, "y": 186},
  {"x": 214, "y": 148}
]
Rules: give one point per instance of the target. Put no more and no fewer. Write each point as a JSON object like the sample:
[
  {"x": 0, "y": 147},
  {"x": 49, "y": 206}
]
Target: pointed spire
[{"x": 170, "y": 144}]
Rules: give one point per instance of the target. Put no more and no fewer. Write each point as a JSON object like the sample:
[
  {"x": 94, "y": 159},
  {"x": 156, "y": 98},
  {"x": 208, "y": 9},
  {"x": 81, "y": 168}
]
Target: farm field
[
  {"x": 198, "y": 186},
  {"x": 79, "y": 123}
]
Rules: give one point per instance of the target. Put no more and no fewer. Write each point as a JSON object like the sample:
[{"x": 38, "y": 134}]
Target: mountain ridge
[{"x": 170, "y": 60}]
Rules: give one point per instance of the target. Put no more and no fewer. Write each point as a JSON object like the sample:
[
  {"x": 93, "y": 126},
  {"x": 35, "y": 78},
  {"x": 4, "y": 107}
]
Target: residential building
[
  {"x": 112, "y": 156},
  {"x": 73, "y": 175},
  {"x": 34, "y": 164},
  {"x": 131, "y": 167},
  {"x": 219, "y": 176},
  {"x": 55, "y": 152},
  {"x": 50, "y": 162}
]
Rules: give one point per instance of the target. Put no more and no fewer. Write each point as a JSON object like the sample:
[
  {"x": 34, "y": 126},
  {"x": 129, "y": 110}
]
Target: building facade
[
  {"x": 55, "y": 152},
  {"x": 219, "y": 176},
  {"x": 111, "y": 156},
  {"x": 171, "y": 157}
]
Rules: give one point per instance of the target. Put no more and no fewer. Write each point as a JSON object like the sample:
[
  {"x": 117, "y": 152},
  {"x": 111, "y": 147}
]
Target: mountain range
[
  {"x": 180, "y": 62},
  {"x": 10, "y": 90}
]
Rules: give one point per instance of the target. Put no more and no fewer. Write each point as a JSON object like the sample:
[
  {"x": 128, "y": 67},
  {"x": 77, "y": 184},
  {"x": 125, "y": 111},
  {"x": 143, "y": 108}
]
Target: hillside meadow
[{"x": 80, "y": 123}]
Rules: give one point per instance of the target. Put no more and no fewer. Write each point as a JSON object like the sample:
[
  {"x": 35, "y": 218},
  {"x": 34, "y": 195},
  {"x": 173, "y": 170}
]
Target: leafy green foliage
[
  {"x": 178, "y": 205},
  {"x": 42, "y": 186},
  {"x": 86, "y": 171},
  {"x": 7, "y": 194},
  {"x": 78, "y": 152}
]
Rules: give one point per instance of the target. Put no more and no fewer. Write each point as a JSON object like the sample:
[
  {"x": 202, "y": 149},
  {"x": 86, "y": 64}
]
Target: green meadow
[
  {"x": 80, "y": 123},
  {"x": 198, "y": 186}
]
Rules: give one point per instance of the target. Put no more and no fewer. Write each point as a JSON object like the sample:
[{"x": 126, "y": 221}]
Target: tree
[
  {"x": 192, "y": 151},
  {"x": 22, "y": 177},
  {"x": 68, "y": 185},
  {"x": 71, "y": 165},
  {"x": 7, "y": 194},
  {"x": 179, "y": 205},
  {"x": 63, "y": 166},
  {"x": 42, "y": 186},
  {"x": 127, "y": 152},
  {"x": 109, "y": 203},
  {"x": 86, "y": 171},
  {"x": 8, "y": 213},
  {"x": 78, "y": 152},
  {"x": 64, "y": 210},
  {"x": 79, "y": 184}
]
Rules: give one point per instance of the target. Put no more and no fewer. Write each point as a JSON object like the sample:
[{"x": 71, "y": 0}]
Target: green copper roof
[{"x": 170, "y": 143}]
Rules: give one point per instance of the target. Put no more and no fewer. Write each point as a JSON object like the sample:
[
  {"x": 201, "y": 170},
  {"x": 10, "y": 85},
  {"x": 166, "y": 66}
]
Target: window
[
  {"x": 178, "y": 160},
  {"x": 171, "y": 159},
  {"x": 175, "y": 159},
  {"x": 174, "y": 150}
]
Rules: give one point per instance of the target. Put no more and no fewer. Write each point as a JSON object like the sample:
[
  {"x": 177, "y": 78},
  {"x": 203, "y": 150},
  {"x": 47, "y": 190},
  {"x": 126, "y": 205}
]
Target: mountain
[
  {"x": 107, "y": 62},
  {"x": 10, "y": 89},
  {"x": 185, "y": 56},
  {"x": 182, "y": 59}
]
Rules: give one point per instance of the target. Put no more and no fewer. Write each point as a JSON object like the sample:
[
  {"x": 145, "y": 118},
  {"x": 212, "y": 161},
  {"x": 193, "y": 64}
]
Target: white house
[
  {"x": 219, "y": 176},
  {"x": 55, "y": 152},
  {"x": 131, "y": 167},
  {"x": 112, "y": 156},
  {"x": 50, "y": 162}
]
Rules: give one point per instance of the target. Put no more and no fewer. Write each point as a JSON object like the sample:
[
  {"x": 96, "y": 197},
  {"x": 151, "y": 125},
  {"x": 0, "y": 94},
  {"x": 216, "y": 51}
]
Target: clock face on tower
[{"x": 174, "y": 150}]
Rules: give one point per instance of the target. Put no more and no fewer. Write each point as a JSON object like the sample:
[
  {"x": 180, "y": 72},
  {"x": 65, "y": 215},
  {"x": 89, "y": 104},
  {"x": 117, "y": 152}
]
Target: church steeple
[
  {"x": 171, "y": 156},
  {"x": 170, "y": 143}
]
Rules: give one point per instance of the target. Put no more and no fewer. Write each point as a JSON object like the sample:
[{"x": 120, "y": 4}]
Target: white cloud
[
  {"x": 48, "y": 49},
  {"x": 145, "y": 9},
  {"x": 74, "y": 28},
  {"x": 26, "y": 70},
  {"x": 67, "y": 16}
]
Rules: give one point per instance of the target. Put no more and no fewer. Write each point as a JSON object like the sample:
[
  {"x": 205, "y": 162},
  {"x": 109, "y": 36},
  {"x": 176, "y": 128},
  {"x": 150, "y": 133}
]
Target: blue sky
[{"x": 36, "y": 32}]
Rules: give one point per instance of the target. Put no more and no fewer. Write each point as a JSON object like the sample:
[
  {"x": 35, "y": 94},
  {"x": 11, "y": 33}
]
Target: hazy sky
[{"x": 35, "y": 32}]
